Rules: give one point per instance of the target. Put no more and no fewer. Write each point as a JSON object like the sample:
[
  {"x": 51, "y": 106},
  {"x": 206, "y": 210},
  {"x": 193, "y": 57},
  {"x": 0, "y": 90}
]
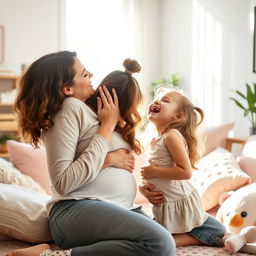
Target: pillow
[
  {"x": 216, "y": 136},
  {"x": 247, "y": 159},
  {"x": 23, "y": 214},
  {"x": 5, "y": 238},
  {"x": 5, "y": 162},
  {"x": 31, "y": 162},
  {"x": 217, "y": 172},
  {"x": 10, "y": 175}
]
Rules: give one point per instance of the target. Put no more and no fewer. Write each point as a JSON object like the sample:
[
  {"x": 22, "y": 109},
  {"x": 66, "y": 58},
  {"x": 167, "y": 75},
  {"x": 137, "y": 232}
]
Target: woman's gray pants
[{"x": 96, "y": 228}]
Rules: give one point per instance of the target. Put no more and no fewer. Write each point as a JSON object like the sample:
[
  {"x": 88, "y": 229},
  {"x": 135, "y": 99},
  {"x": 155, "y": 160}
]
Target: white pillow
[
  {"x": 217, "y": 172},
  {"x": 23, "y": 214},
  {"x": 11, "y": 175},
  {"x": 5, "y": 162}
]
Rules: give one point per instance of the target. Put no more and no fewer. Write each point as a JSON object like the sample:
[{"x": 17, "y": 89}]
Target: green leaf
[
  {"x": 240, "y": 94},
  {"x": 239, "y": 104},
  {"x": 253, "y": 109},
  {"x": 175, "y": 80},
  {"x": 250, "y": 98},
  {"x": 247, "y": 112},
  {"x": 254, "y": 86}
]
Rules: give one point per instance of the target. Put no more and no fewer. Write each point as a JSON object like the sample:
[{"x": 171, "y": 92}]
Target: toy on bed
[{"x": 238, "y": 213}]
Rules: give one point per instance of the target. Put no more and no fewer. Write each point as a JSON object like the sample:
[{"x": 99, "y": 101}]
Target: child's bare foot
[{"x": 30, "y": 251}]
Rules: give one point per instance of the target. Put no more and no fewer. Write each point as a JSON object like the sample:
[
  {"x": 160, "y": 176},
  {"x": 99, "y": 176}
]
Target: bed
[
  {"x": 7, "y": 246},
  {"x": 19, "y": 176}
]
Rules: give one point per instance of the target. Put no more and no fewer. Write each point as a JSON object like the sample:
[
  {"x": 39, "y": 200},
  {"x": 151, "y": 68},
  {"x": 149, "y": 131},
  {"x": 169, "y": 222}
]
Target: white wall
[
  {"x": 31, "y": 30},
  {"x": 149, "y": 35},
  {"x": 218, "y": 56},
  {"x": 176, "y": 34},
  {"x": 218, "y": 59}
]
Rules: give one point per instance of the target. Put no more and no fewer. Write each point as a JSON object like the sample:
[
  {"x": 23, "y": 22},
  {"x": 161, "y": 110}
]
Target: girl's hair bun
[{"x": 131, "y": 66}]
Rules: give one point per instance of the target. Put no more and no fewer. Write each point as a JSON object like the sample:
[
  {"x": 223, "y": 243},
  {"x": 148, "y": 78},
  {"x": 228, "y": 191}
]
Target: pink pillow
[
  {"x": 216, "y": 136},
  {"x": 31, "y": 162},
  {"x": 247, "y": 159}
]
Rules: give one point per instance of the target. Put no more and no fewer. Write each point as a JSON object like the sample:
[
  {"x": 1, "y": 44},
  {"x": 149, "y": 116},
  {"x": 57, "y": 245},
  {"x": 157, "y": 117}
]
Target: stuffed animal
[{"x": 238, "y": 213}]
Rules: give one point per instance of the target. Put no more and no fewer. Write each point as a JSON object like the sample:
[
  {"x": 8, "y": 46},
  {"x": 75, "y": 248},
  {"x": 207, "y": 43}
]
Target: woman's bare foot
[{"x": 30, "y": 251}]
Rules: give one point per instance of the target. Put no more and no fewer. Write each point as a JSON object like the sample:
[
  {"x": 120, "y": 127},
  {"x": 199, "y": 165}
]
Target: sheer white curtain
[
  {"x": 103, "y": 33},
  {"x": 206, "y": 72}
]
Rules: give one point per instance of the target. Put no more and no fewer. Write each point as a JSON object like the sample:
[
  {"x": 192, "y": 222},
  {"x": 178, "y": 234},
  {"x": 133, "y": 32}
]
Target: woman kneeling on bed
[{"x": 91, "y": 211}]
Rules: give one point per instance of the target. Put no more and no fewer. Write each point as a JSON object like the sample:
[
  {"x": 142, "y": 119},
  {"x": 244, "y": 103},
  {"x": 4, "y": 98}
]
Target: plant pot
[
  {"x": 3, "y": 148},
  {"x": 252, "y": 130}
]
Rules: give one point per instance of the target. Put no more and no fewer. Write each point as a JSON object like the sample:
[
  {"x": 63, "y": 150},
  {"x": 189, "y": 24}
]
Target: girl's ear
[
  {"x": 180, "y": 115},
  {"x": 67, "y": 90}
]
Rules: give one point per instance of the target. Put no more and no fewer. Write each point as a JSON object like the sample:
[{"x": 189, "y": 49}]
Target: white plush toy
[{"x": 238, "y": 214}]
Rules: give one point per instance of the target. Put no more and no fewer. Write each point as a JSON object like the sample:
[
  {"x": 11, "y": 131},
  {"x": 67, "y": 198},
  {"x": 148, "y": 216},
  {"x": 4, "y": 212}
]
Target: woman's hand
[
  {"x": 154, "y": 197},
  {"x": 108, "y": 112},
  {"x": 120, "y": 158}
]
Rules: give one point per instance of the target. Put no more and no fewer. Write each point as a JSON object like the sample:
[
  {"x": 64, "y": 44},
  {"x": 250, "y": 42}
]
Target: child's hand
[{"x": 147, "y": 172}]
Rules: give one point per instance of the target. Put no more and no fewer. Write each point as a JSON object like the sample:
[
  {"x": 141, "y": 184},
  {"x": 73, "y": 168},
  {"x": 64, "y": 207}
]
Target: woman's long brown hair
[
  {"x": 40, "y": 94},
  {"x": 129, "y": 97}
]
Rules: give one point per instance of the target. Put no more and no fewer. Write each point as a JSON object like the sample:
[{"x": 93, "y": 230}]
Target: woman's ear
[{"x": 67, "y": 90}]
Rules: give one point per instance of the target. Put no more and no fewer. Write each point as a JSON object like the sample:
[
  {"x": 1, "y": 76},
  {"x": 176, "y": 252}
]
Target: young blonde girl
[{"x": 172, "y": 156}]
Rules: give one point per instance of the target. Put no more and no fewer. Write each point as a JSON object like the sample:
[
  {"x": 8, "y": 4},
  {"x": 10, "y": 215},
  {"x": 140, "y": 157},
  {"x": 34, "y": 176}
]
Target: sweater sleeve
[{"x": 67, "y": 173}]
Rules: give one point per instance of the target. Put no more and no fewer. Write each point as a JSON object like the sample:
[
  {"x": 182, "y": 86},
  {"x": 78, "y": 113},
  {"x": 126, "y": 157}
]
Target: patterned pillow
[
  {"x": 23, "y": 214},
  {"x": 217, "y": 172},
  {"x": 10, "y": 175}
]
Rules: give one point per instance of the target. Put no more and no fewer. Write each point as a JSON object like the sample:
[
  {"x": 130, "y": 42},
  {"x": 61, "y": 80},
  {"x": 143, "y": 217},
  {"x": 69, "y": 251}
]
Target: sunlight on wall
[
  {"x": 101, "y": 32},
  {"x": 206, "y": 64},
  {"x": 251, "y": 20}
]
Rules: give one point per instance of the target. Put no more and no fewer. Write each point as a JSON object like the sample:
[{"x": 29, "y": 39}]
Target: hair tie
[{"x": 128, "y": 72}]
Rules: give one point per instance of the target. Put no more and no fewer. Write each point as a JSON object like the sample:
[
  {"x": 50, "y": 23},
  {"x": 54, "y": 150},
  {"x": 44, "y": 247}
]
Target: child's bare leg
[
  {"x": 185, "y": 239},
  {"x": 30, "y": 251}
]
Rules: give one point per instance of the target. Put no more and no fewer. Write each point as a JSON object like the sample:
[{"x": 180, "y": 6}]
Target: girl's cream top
[{"x": 182, "y": 210}]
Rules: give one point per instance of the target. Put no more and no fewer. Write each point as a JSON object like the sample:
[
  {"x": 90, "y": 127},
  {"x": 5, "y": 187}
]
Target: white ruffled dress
[{"x": 182, "y": 210}]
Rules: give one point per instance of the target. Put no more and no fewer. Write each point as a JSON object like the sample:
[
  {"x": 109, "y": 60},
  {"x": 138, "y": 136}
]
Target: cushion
[
  {"x": 10, "y": 175},
  {"x": 215, "y": 136},
  {"x": 23, "y": 214},
  {"x": 5, "y": 238},
  {"x": 217, "y": 172},
  {"x": 247, "y": 159},
  {"x": 4, "y": 162},
  {"x": 31, "y": 162}
]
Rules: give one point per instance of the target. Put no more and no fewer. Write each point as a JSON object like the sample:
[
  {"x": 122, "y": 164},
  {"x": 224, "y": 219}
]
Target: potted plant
[
  {"x": 249, "y": 104},
  {"x": 158, "y": 85},
  {"x": 3, "y": 140}
]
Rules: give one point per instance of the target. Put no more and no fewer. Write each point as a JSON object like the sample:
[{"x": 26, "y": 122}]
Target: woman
[{"x": 83, "y": 220}]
